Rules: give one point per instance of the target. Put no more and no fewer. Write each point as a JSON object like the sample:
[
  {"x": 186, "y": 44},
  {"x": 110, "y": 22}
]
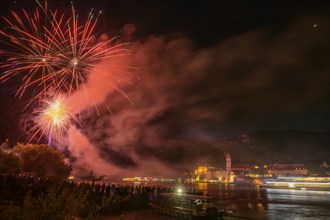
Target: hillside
[{"x": 281, "y": 147}]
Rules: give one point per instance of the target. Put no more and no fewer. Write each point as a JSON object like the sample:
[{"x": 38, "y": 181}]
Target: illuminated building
[
  {"x": 269, "y": 170},
  {"x": 241, "y": 168},
  {"x": 209, "y": 174},
  {"x": 287, "y": 169},
  {"x": 228, "y": 166},
  {"x": 212, "y": 174}
]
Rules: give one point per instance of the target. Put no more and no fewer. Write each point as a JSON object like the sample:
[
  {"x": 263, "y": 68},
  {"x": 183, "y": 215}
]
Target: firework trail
[{"x": 52, "y": 52}]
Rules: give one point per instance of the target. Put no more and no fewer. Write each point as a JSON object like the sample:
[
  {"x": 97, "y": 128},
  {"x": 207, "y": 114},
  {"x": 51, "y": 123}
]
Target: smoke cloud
[{"x": 171, "y": 105}]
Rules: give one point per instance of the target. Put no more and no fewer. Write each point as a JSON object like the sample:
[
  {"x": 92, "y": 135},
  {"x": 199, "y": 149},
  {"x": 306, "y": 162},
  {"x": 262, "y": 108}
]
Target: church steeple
[{"x": 228, "y": 166}]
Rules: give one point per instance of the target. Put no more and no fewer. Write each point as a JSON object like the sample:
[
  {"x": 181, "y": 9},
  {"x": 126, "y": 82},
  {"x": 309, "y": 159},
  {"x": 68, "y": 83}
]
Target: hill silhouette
[{"x": 281, "y": 147}]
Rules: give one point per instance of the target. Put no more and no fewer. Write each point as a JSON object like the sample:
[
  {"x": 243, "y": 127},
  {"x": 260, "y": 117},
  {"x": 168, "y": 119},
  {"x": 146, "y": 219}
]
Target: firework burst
[
  {"x": 53, "y": 119},
  {"x": 51, "y": 51}
]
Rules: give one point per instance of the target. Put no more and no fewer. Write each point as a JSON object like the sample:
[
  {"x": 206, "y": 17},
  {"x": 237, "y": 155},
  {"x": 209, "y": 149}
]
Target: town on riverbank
[
  {"x": 278, "y": 175},
  {"x": 35, "y": 183}
]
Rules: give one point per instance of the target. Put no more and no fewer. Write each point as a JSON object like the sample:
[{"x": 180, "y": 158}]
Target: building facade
[{"x": 287, "y": 169}]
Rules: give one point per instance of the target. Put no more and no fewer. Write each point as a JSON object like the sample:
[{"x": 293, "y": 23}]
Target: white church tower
[{"x": 228, "y": 166}]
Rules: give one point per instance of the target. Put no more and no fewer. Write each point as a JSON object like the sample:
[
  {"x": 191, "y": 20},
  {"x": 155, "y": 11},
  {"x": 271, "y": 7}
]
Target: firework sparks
[
  {"x": 51, "y": 51},
  {"x": 53, "y": 119}
]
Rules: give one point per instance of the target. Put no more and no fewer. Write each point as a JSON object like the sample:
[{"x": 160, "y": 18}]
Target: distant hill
[{"x": 281, "y": 147}]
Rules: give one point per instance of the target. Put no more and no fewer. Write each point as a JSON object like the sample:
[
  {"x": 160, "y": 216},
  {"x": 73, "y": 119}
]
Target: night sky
[{"x": 202, "y": 72}]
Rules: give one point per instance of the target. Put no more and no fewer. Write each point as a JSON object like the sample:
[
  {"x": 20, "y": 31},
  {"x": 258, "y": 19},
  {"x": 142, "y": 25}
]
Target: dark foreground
[
  {"x": 31, "y": 198},
  {"x": 28, "y": 197}
]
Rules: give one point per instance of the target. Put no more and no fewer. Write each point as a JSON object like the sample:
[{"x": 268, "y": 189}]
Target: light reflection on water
[
  {"x": 252, "y": 202},
  {"x": 298, "y": 195}
]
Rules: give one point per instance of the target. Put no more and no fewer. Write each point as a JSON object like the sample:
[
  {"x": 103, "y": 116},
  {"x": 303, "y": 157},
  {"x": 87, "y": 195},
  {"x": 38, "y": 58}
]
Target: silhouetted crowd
[{"x": 22, "y": 184}]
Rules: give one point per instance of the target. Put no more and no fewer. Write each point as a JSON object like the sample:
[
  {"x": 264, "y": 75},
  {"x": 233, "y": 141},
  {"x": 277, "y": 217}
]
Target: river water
[{"x": 253, "y": 202}]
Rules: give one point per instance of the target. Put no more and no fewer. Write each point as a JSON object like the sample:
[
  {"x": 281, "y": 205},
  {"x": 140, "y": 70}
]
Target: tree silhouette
[
  {"x": 9, "y": 163},
  {"x": 43, "y": 160}
]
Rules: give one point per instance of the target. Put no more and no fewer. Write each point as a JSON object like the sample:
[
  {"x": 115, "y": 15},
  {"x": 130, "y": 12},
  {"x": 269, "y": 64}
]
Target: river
[{"x": 253, "y": 202}]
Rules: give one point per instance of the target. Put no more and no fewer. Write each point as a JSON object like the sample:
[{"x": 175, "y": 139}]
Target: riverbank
[{"x": 35, "y": 198}]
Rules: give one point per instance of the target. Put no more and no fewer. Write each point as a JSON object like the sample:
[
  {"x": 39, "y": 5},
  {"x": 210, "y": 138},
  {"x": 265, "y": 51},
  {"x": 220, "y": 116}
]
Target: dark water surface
[{"x": 253, "y": 202}]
